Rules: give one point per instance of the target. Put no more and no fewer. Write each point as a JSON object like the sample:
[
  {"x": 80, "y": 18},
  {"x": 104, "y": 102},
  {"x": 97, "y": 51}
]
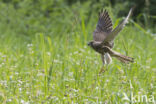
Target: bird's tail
[{"x": 122, "y": 58}]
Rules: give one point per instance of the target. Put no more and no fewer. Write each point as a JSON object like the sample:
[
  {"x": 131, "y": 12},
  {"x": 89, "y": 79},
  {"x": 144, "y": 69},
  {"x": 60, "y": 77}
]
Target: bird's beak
[{"x": 88, "y": 43}]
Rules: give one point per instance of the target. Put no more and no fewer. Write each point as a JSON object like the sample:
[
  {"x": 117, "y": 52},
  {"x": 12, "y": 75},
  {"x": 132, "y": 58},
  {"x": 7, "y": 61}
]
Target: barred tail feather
[{"x": 122, "y": 58}]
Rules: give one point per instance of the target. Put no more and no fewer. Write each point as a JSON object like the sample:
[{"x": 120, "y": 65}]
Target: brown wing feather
[
  {"x": 104, "y": 26},
  {"x": 115, "y": 32}
]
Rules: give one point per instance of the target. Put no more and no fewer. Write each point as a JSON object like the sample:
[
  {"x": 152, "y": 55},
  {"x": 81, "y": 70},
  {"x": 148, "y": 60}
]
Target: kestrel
[{"x": 103, "y": 38}]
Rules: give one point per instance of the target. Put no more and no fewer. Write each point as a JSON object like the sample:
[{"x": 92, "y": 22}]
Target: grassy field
[{"x": 44, "y": 68}]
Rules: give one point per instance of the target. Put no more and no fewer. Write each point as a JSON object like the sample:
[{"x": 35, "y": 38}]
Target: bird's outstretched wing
[
  {"x": 103, "y": 28},
  {"x": 115, "y": 32}
]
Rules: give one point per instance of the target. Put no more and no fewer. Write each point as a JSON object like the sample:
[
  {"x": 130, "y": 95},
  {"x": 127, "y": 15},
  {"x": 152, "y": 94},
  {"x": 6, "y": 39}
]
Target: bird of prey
[{"x": 103, "y": 38}]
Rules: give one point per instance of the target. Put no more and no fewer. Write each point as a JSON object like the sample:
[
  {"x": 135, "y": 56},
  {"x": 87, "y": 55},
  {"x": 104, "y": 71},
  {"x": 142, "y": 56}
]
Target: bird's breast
[{"x": 100, "y": 49}]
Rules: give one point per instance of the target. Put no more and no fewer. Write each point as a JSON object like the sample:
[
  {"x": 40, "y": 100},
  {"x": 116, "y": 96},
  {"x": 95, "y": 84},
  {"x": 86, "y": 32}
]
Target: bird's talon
[{"x": 102, "y": 70}]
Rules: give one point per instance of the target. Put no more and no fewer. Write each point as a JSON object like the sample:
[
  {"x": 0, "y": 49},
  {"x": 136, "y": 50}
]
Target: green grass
[
  {"x": 46, "y": 60},
  {"x": 65, "y": 70}
]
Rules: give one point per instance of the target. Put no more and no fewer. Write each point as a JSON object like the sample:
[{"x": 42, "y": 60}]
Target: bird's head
[{"x": 90, "y": 43}]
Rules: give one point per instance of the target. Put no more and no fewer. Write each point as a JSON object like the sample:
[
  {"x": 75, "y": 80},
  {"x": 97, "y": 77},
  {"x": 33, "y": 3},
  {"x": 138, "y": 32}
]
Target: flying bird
[{"x": 103, "y": 38}]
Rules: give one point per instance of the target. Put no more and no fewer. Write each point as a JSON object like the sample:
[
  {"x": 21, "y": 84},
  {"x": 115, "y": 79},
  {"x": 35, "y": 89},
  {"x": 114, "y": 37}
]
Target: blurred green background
[{"x": 26, "y": 17}]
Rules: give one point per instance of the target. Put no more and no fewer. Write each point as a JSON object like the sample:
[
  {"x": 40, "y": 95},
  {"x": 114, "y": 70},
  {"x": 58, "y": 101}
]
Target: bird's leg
[
  {"x": 103, "y": 60},
  {"x": 103, "y": 63}
]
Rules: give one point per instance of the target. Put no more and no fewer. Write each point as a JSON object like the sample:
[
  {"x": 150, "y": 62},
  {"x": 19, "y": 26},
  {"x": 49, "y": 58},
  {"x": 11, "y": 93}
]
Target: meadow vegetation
[{"x": 44, "y": 57}]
